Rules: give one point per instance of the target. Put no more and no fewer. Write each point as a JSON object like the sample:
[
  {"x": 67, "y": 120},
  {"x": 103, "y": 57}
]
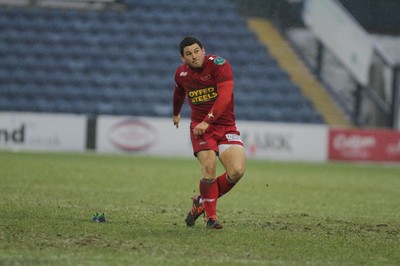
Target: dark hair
[{"x": 187, "y": 41}]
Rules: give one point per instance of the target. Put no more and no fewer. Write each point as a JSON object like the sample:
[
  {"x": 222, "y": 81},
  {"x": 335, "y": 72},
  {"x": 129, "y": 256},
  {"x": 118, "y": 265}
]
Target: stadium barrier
[
  {"x": 42, "y": 132},
  {"x": 158, "y": 136}
]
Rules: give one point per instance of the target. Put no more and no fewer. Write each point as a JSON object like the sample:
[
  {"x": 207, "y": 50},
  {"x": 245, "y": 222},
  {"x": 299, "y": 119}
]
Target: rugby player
[{"x": 207, "y": 82}]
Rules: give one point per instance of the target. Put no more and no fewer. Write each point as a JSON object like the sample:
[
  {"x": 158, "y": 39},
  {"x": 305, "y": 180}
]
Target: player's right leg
[
  {"x": 208, "y": 188},
  {"x": 209, "y": 185}
]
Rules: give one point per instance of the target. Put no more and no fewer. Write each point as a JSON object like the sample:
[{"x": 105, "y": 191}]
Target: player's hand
[
  {"x": 200, "y": 128},
  {"x": 176, "y": 119}
]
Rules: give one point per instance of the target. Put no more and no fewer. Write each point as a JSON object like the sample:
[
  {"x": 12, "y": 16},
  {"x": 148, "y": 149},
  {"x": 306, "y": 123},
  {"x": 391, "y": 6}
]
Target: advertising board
[
  {"x": 364, "y": 145},
  {"x": 144, "y": 135},
  {"x": 158, "y": 136},
  {"x": 285, "y": 142},
  {"x": 42, "y": 132}
]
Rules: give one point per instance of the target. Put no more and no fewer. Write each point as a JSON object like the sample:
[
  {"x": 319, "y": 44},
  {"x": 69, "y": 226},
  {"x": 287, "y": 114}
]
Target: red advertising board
[{"x": 364, "y": 145}]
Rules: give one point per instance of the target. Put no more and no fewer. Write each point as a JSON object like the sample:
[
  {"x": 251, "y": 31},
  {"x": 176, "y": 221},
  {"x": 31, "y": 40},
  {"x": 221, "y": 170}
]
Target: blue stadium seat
[{"x": 107, "y": 62}]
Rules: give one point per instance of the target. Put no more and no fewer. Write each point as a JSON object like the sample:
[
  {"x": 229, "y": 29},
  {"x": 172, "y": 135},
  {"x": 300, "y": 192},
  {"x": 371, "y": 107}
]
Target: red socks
[
  {"x": 224, "y": 184},
  {"x": 211, "y": 190},
  {"x": 209, "y": 196}
]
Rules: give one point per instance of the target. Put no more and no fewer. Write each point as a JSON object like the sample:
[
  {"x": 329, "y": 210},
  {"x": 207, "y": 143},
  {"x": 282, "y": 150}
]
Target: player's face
[{"x": 193, "y": 56}]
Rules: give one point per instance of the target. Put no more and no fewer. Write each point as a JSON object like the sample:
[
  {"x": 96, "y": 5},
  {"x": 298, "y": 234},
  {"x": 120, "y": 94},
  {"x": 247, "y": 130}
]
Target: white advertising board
[
  {"x": 343, "y": 35},
  {"x": 145, "y": 135},
  {"x": 42, "y": 132},
  {"x": 285, "y": 142},
  {"x": 158, "y": 136}
]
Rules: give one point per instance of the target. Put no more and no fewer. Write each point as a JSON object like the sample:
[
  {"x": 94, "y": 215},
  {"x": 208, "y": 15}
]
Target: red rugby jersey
[{"x": 201, "y": 88}]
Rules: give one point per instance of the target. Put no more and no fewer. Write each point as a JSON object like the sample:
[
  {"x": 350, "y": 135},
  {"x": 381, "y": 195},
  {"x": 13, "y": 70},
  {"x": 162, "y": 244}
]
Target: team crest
[{"x": 219, "y": 61}]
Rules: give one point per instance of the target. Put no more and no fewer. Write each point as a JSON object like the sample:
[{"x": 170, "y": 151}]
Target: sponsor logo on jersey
[
  {"x": 183, "y": 74},
  {"x": 203, "y": 95},
  {"x": 205, "y": 78},
  {"x": 219, "y": 61},
  {"x": 233, "y": 137}
]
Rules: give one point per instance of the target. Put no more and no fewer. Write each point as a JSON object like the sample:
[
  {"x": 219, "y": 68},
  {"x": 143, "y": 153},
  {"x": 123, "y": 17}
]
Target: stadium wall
[{"x": 158, "y": 136}]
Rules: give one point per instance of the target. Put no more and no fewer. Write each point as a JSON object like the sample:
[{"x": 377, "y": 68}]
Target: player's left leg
[{"x": 233, "y": 157}]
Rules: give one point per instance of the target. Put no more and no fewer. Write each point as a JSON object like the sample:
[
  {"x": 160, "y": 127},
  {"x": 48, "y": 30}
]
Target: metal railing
[{"x": 373, "y": 105}]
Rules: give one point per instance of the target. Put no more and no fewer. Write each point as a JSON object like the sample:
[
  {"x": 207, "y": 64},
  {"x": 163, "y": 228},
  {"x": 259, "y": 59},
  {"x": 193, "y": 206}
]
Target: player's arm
[
  {"x": 177, "y": 102},
  {"x": 225, "y": 92}
]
